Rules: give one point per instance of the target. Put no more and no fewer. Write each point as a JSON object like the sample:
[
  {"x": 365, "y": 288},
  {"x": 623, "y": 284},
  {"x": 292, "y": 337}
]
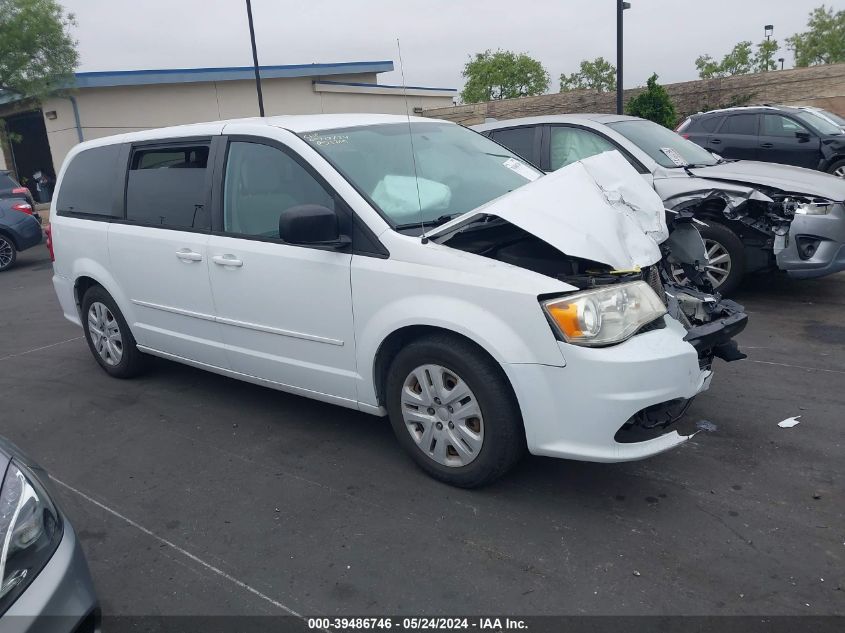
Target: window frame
[
  {"x": 181, "y": 141},
  {"x": 546, "y": 156},
  {"x": 364, "y": 241}
]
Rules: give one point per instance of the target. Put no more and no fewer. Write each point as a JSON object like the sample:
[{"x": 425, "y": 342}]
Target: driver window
[
  {"x": 570, "y": 144},
  {"x": 777, "y": 125},
  {"x": 260, "y": 183}
]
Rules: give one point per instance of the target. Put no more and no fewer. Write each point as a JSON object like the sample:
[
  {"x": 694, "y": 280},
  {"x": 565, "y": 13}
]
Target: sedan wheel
[
  {"x": 840, "y": 171},
  {"x": 442, "y": 415},
  {"x": 717, "y": 271},
  {"x": 105, "y": 333},
  {"x": 7, "y": 253}
]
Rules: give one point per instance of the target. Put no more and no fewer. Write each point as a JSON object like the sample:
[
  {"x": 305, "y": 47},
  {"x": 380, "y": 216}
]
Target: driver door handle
[
  {"x": 227, "y": 260},
  {"x": 767, "y": 145}
]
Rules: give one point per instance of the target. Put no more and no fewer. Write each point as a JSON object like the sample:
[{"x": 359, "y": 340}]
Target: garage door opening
[{"x": 31, "y": 152}]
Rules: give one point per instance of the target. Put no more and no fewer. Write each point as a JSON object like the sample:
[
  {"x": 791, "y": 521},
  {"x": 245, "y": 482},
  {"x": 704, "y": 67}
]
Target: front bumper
[
  {"x": 61, "y": 599},
  {"x": 828, "y": 256},
  {"x": 575, "y": 411}
]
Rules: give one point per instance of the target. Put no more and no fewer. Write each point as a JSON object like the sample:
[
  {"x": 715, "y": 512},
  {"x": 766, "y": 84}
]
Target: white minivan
[{"x": 399, "y": 266}]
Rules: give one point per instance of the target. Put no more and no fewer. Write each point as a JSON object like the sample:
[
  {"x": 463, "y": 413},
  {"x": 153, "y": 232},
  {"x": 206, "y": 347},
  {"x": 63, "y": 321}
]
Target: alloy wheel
[
  {"x": 7, "y": 252},
  {"x": 105, "y": 333},
  {"x": 442, "y": 415},
  {"x": 839, "y": 171},
  {"x": 717, "y": 270}
]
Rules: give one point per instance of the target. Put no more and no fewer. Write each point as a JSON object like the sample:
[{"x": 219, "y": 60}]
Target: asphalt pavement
[{"x": 197, "y": 494}]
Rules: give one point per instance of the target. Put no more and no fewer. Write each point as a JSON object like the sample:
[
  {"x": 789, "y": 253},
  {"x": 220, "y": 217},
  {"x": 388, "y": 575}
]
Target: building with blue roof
[{"x": 103, "y": 103}]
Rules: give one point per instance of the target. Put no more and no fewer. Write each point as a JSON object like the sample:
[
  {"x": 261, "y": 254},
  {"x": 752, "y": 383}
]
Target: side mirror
[
  {"x": 802, "y": 137},
  {"x": 311, "y": 224}
]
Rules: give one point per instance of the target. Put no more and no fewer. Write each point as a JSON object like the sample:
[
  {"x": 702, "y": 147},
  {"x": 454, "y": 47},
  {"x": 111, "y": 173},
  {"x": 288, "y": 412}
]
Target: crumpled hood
[
  {"x": 784, "y": 177},
  {"x": 598, "y": 209}
]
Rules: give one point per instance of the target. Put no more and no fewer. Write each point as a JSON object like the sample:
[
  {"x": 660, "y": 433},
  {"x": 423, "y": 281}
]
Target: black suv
[{"x": 773, "y": 134}]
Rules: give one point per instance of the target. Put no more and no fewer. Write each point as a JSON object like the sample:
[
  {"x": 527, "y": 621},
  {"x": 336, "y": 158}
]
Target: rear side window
[
  {"x": 89, "y": 182},
  {"x": 705, "y": 124},
  {"x": 520, "y": 140},
  {"x": 168, "y": 186},
  {"x": 6, "y": 181},
  {"x": 745, "y": 124}
]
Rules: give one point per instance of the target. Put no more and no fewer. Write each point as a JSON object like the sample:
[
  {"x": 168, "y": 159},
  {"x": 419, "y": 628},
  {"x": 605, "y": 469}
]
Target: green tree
[
  {"x": 764, "y": 59},
  {"x": 598, "y": 74},
  {"x": 37, "y": 53},
  {"x": 824, "y": 40},
  {"x": 654, "y": 104},
  {"x": 503, "y": 75},
  {"x": 738, "y": 62}
]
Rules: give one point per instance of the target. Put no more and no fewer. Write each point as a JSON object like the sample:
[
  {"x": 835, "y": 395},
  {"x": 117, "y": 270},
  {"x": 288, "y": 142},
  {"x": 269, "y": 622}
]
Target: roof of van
[{"x": 297, "y": 123}]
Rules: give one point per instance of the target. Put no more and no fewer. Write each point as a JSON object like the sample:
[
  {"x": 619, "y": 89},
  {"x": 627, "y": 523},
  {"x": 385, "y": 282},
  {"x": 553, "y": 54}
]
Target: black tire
[
  {"x": 132, "y": 361},
  {"x": 735, "y": 249},
  {"x": 837, "y": 166},
  {"x": 503, "y": 431},
  {"x": 9, "y": 252}
]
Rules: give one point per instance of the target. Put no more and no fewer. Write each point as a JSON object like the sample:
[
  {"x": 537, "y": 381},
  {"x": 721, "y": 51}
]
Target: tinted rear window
[
  {"x": 705, "y": 124},
  {"x": 745, "y": 124},
  {"x": 520, "y": 140},
  {"x": 6, "y": 181},
  {"x": 88, "y": 185},
  {"x": 167, "y": 187}
]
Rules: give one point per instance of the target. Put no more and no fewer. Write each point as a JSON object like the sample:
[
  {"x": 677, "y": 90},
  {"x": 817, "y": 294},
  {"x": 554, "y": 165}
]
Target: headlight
[
  {"x": 813, "y": 208},
  {"x": 606, "y": 315},
  {"x": 30, "y": 531}
]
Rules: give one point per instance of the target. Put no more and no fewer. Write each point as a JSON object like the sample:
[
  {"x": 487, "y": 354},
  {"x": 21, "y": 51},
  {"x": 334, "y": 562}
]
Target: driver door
[{"x": 285, "y": 310}]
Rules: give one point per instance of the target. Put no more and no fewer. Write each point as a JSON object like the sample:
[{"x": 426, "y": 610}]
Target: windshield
[
  {"x": 817, "y": 122},
  {"x": 666, "y": 147},
  {"x": 831, "y": 115},
  {"x": 453, "y": 169}
]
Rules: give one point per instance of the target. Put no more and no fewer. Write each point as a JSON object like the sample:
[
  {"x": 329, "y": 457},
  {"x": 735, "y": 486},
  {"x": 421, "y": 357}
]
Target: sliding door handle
[{"x": 227, "y": 260}]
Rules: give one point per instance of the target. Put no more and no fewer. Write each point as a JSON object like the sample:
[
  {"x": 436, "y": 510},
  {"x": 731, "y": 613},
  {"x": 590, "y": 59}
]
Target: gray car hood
[
  {"x": 598, "y": 209},
  {"x": 784, "y": 177}
]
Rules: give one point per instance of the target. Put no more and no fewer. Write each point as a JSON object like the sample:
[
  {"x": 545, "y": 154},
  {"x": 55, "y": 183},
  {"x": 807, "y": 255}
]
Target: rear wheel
[
  {"x": 727, "y": 258},
  {"x": 454, "y": 412},
  {"x": 108, "y": 335},
  {"x": 837, "y": 169},
  {"x": 8, "y": 253}
]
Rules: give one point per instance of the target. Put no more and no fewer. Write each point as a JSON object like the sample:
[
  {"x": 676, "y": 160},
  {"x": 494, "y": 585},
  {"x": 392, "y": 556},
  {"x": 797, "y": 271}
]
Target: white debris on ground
[{"x": 788, "y": 423}]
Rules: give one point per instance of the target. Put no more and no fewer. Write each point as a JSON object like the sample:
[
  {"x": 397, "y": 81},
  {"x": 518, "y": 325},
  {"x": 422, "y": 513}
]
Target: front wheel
[
  {"x": 726, "y": 253},
  {"x": 453, "y": 410},
  {"x": 8, "y": 253}
]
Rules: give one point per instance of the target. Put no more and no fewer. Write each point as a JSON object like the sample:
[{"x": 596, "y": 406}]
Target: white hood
[{"x": 599, "y": 209}]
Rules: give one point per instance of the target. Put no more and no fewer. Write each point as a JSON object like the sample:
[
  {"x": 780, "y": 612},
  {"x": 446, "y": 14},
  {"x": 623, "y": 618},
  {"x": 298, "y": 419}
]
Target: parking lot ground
[{"x": 197, "y": 494}]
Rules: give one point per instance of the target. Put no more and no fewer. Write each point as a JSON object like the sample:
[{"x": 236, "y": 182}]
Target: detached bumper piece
[{"x": 711, "y": 322}]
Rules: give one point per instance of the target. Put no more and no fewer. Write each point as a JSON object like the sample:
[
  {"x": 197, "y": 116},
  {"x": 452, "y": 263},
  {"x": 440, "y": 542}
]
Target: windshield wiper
[{"x": 443, "y": 219}]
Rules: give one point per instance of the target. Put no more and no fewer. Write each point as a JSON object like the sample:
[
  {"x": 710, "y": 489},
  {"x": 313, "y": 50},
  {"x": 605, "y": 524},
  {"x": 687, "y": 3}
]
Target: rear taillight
[
  {"x": 20, "y": 190},
  {"x": 48, "y": 231},
  {"x": 685, "y": 135},
  {"x": 23, "y": 207}
]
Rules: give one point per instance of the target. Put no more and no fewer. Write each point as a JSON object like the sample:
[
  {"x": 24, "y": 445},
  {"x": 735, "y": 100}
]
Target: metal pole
[
  {"x": 255, "y": 59},
  {"x": 619, "y": 9}
]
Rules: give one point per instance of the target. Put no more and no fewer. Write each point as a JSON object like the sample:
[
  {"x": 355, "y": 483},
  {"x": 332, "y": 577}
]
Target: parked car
[
  {"x": 758, "y": 216},
  {"x": 827, "y": 115},
  {"x": 20, "y": 229},
  {"x": 45, "y": 584},
  {"x": 773, "y": 134},
  {"x": 11, "y": 188},
  {"x": 494, "y": 308}
]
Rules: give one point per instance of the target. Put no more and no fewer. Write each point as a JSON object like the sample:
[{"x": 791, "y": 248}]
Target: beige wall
[{"x": 107, "y": 111}]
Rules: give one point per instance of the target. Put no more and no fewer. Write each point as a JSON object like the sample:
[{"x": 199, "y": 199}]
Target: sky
[{"x": 437, "y": 36}]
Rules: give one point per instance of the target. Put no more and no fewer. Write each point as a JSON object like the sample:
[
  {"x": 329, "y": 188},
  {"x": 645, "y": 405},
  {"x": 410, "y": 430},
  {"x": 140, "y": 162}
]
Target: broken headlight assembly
[
  {"x": 604, "y": 316},
  {"x": 30, "y": 531}
]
